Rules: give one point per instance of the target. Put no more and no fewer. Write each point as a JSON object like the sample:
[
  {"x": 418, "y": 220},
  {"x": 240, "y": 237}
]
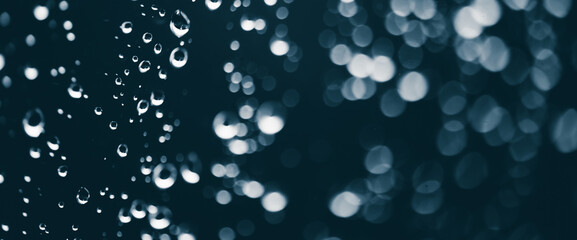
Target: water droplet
[
  {"x": 61, "y": 204},
  {"x": 113, "y": 125},
  {"x": 98, "y": 111},
  {"x": 138, "y": 209},
  {"x": 126, "y": 27},
  {"x": 157, "y": 48},
  {"x": 164, "y": 175},
  {"x": 178, "y": 57},
  {"x": 142, "y": 106},
  {"x": 53, "y": 143},
  {"x": 122, "y": 150},
  {"x": 213, "y": 4},
  {"x": 157, "y": 98},
  {"x": 147, "y": 37},
  {"x": 124, "y": 216},
  {"x": 179, "y": 23},
  {"x": 161, "y": 218},
  {"x": 63, "y": 171},
  {"x": 82, "y": 196},
  {"x": 75, "y": 90},
  {"x": 33, "y": 123},
  {"x": 144, "y": 66}
]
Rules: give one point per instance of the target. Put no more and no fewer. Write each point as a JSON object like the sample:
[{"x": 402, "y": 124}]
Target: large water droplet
[
  {"x": 179, "y": 23},
  {"x": 178, "y": 57},
  {"x": 82, "y": 196},
  {"x": 33, "y": 123}
]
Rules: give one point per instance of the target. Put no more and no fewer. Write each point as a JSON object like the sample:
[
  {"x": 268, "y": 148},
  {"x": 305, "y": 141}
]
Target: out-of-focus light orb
[
  {"x": 225, "y": 125},
  {"x": 270, "y": 2},
  {"x": 384, "y": 69},
  {"x": 270, "y": 124},
  {"x": 413, "y": 87},
  {"x": 223, "y": 197},
  {"x": 424, "y": 9},
  {"x": 564, "y": 132},
  {"x": 379, "y": 160},
  {"x": 341, "y": 54},
  {"x": 274, "y": 202},
  {"x": 465, "y": 24},
  {"x": 486, "y": 12},
  {"x": 253, "y": 189},
  {"x": 494, "y": 54},
  {"x": 558, "y": 8},
  {"x": 361, "y": 66},
  {"x": 279, "y": 47},
  {"x": 401, "y": 8},
  {"x": 31, "y": 73},
  {"x": 164, "y": 175},
  {"x": 362, "y": 36},
  {"x": 213, "y": 4},
  {"x": 186, "y": 236},
  {"x": 345, "y": 204},
  {"x": 41, "y": 12},
  {"x": 238, "y": 147}
]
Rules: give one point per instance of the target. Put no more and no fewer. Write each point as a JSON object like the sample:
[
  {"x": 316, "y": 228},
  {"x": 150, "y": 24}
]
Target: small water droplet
[
  {"x": 178, "y": 57},
  {"x": 33, "y": 123},
  {"x": 157, "y": 98},
  {"x": 113, "y": 125},
  {"x": 82, "y": 196},
  {"x": 126, "y": 27},
  {"x": 122, "y": 150},
  {"x": 98, "y": 111},
  {"x": 179, "y": 23},
  {"x": 157, "y": 48},
  {"x": 144, "y": 66},
  {"x": 75, "y": 90},
  {"x": 63, "y": 171},
  {"x": 142, "y": 106},
  {"x": 61, "y": 204},
  {"x": 147, "y": 37}
]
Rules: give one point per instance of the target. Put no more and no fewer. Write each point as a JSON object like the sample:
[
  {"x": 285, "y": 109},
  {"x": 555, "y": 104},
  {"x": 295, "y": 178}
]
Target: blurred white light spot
[
  {"x": 413, "y": 86},
  {"x": 564, "y": 132},
  {"x": 253, "y": 189},
  {"x": 270, "y": 124},
  {"x": 2, "y": 61},
  {"x": 213, "y": 4},
  {"x": 465, "y": 25},
  {"x": 494, "y": 54},
  {"x": 379, "y": 160},
  {"x": 279, "y": 47},
  {"x": 345, "y": 204},
  {"x": 340, "y": 54},
  {"x": 384, "y": 69},
  {"x": 31, "y": 73},
  {"x": 238, "y": 147},
  {"x": 41, "y": 13},
  {"x": 270, "y": 2},
  {"x": 223, "y": 197},
  {"x": 558, "y": 8},
  {"x": 274, "y": 202},
  {"x": 360, "y": 66},
  {"x": 486, "y": 12}
]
